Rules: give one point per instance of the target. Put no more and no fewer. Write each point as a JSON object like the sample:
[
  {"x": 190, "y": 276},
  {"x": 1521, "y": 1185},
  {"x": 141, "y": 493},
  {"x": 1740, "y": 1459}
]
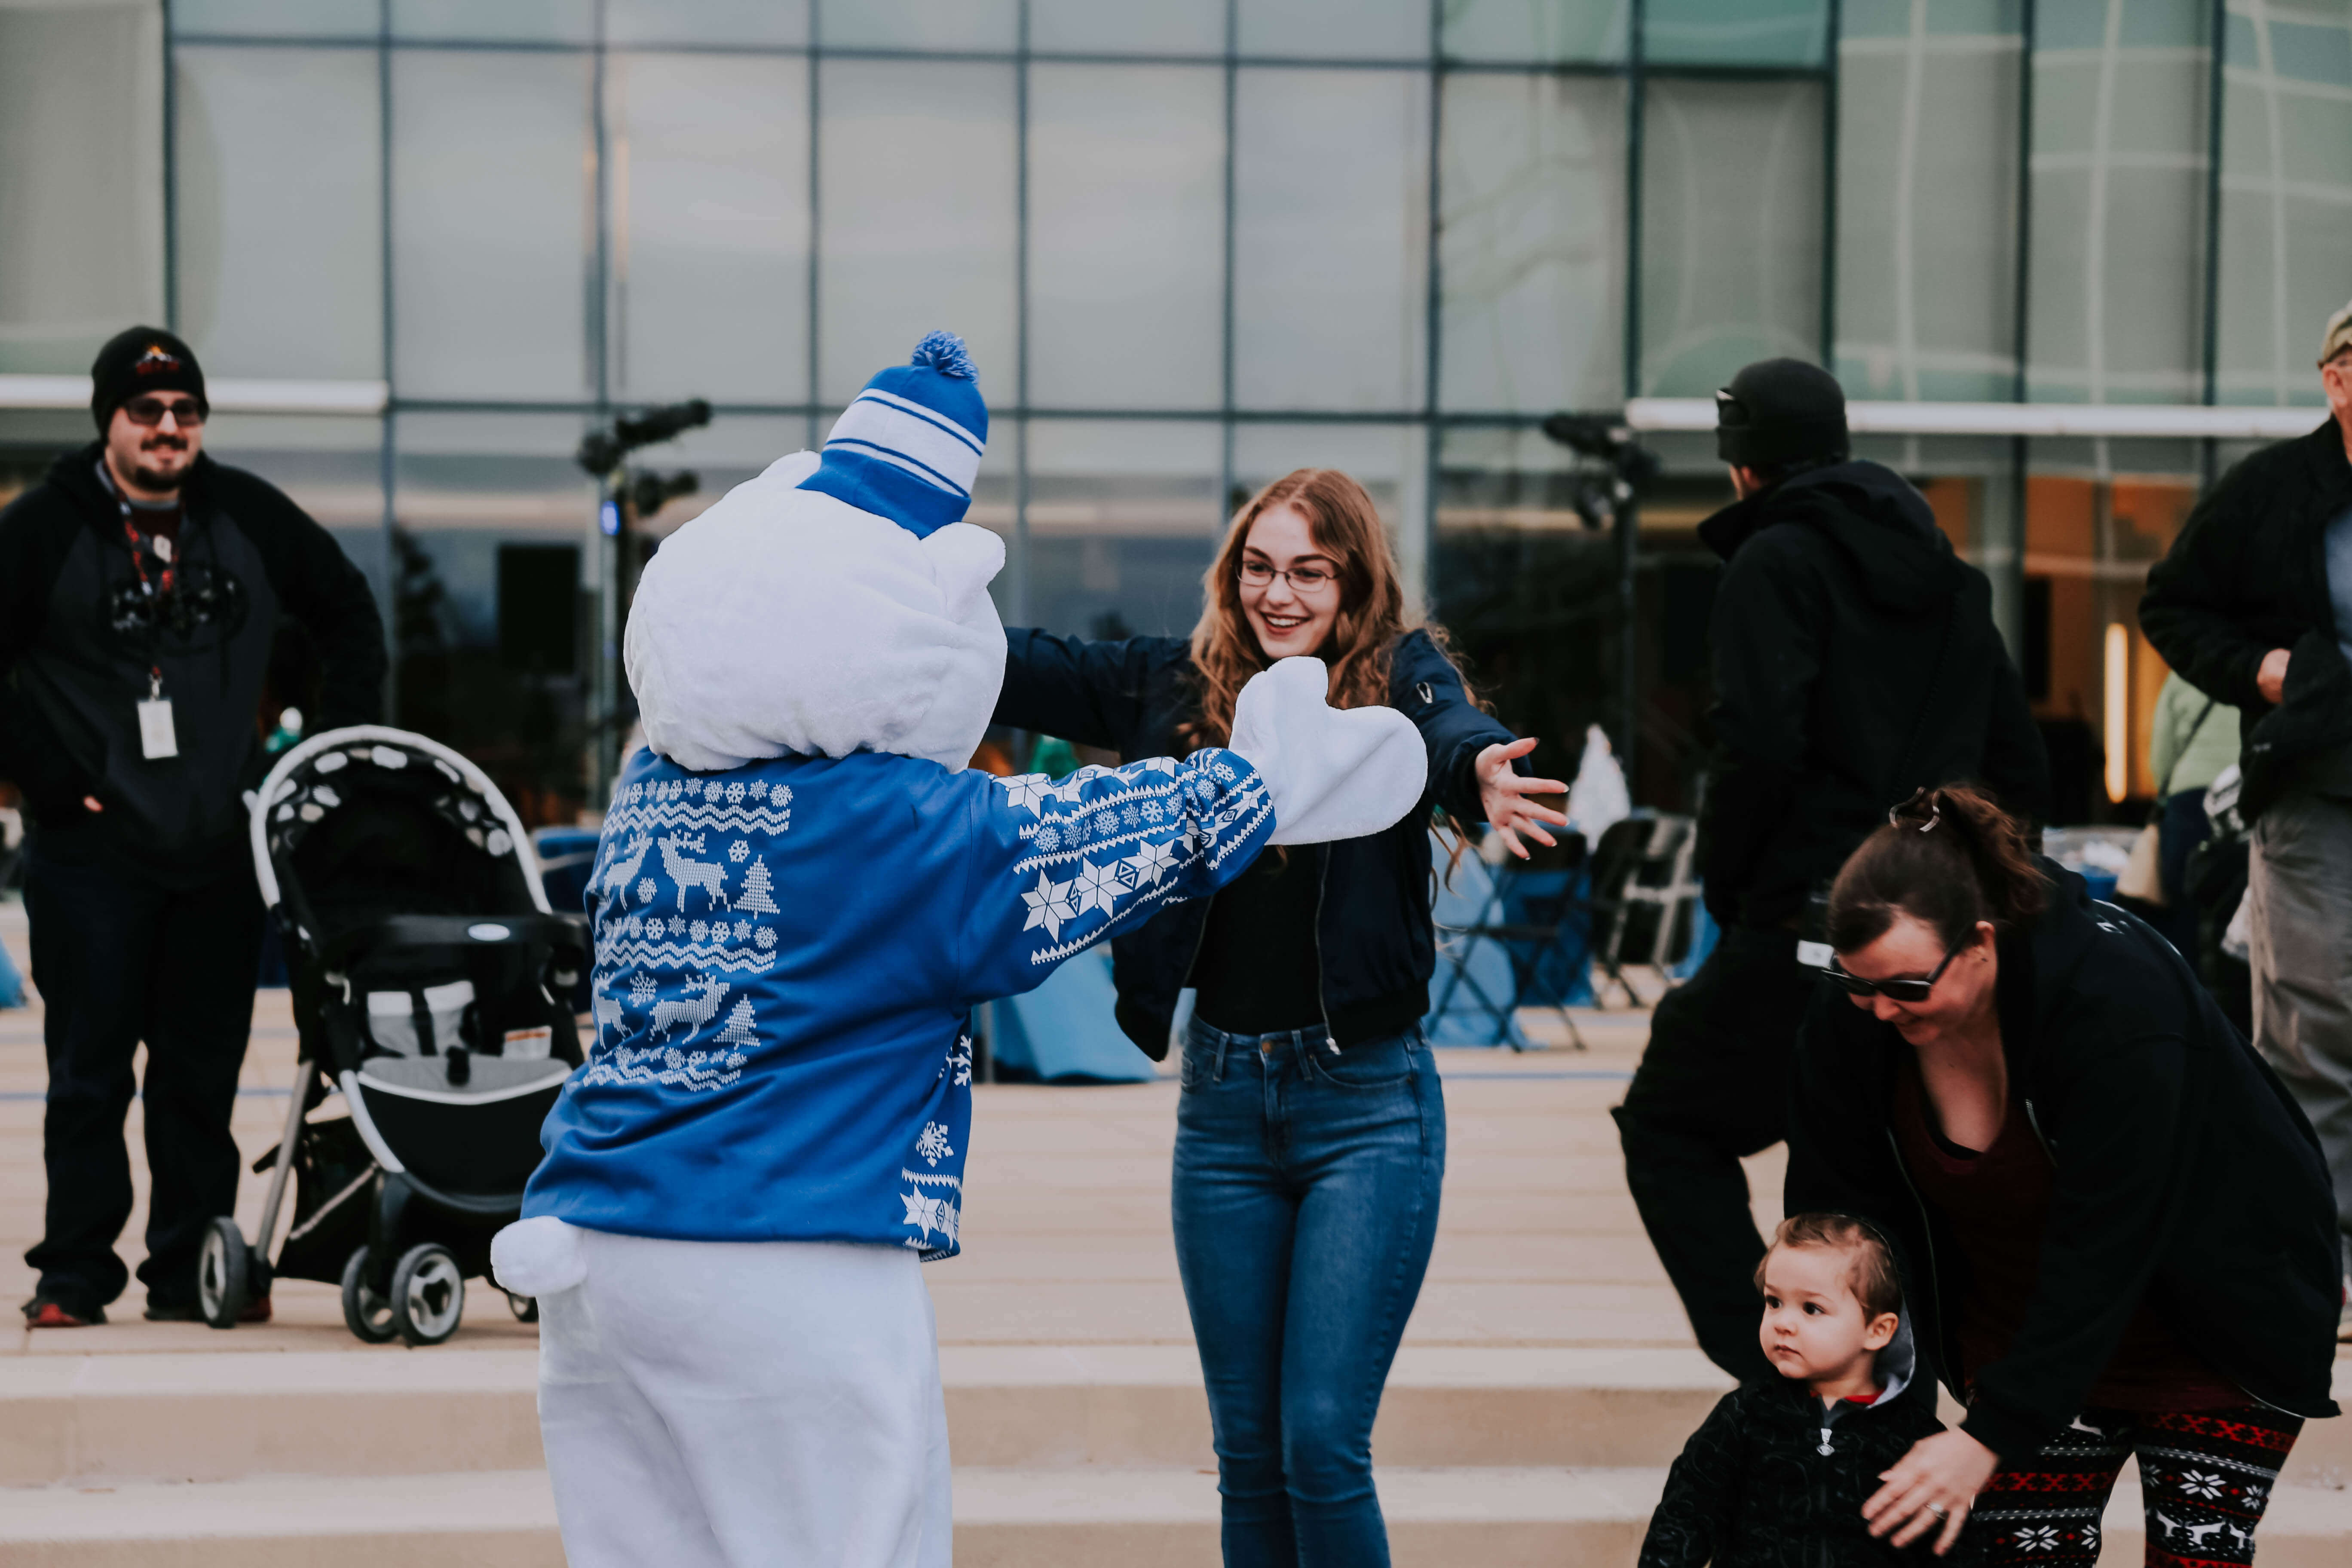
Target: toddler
[{"x": 1779, "y": 1472}]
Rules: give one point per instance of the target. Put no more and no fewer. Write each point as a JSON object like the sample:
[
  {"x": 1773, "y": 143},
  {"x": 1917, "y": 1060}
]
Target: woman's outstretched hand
[
  {"x": 1933, "y": 1486},
  {"x": 1505, "y": 793}
]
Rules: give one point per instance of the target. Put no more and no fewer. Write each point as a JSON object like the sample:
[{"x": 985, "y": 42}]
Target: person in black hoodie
[
  {"x": 1780, "y": 1472},
  {"x": 141, "y": 586},
  {"x": 2123, "y": 1219},
  {"x": 2253, "y": 606},
  {"x": 1310, "y": 1135},
  {"x": 1854, "y": 659}
]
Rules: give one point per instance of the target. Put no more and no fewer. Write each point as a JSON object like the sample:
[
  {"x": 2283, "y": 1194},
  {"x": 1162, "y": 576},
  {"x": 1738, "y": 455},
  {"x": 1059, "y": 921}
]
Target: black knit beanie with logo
[
  {"x": 1780, "y": 411},
  {"x": 143, "y": 360}
]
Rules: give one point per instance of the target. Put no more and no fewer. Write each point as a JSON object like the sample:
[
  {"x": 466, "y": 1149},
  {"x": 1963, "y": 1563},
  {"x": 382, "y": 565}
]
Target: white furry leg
[{"x": 745, "y": 1405}]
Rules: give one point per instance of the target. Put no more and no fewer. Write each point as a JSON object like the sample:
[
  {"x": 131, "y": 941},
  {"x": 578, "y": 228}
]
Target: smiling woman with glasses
[{"x": 2114, "y": 1224}]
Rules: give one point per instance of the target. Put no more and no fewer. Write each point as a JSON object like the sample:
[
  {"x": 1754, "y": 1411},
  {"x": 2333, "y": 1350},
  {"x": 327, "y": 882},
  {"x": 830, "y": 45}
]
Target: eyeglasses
[
  {"x": 150, "y": 410},
  {"x": 1893, "y": 990},
  {"x": 1308, "y": 580}
]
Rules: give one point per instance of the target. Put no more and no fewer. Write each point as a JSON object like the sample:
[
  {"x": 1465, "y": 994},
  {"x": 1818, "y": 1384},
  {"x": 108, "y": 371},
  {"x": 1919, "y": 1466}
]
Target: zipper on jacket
[
  {"x": 1322, "y": 889},
  {"x": 1926, "y": 1235}
]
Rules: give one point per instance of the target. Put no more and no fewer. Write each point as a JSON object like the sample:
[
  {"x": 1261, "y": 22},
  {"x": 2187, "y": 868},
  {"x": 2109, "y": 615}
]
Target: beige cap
[{"x": 2338, "y": 335}]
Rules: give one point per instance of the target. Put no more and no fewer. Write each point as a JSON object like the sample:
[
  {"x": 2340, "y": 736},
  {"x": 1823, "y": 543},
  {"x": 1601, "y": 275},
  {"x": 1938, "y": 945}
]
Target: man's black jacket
[
  {"x": 1752, "y": 1488},
  {"x": 1855, "y": 660},
  {"x": 2186, "y": 1176},
  {"x": 1373, "y": 930},
  {"x": 70, "y": 679},
  {"x": 2249, "y": 573}
]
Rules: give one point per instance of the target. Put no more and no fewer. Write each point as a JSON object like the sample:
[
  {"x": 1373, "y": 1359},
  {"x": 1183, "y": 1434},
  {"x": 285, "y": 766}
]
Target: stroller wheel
[
  {"x": 223, "y": 1268},
  {"x": 428, "y": 1294},
  {"x": 365, "y": 1313},
  {"x": 524, "y": 1308}
]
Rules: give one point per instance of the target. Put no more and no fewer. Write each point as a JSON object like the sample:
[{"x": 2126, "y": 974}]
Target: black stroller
[{"x": 432, "y": 989}]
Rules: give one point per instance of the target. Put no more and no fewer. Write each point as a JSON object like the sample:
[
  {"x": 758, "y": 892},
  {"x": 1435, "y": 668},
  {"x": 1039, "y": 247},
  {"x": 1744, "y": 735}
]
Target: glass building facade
[{"x": 1193, "y": 245}]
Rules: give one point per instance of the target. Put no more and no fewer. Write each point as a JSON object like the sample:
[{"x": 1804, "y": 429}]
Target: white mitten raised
[
  {"x": 1333, "y": 773},
  {"x": 538, "y": 1256}
]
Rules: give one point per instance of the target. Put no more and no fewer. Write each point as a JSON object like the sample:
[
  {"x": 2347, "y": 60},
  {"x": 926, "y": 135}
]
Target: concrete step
[
  {"x": 224, "y": 1415},
  {"x": 1040, "y": 1518}
]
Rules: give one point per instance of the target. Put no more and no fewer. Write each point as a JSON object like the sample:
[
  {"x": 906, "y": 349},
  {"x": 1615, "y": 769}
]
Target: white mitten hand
[
  {"x": 537, "y": 1257},
  {"x": 1333, "y": 774}
]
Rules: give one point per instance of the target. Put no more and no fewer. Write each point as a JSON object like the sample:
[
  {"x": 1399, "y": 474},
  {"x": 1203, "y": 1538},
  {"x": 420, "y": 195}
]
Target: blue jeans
[{"x": 1306, "y": 1199}]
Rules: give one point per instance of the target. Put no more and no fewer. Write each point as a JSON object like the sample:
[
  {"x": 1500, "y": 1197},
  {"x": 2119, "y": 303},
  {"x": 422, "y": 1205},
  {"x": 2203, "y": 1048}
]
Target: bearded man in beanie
[
  {"x": 141, "y": 586},
  {"x": 1856, "y": 660}
]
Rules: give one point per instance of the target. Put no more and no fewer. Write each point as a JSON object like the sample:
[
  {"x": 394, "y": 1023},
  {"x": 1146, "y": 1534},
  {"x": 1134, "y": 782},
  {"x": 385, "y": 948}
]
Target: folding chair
[
  {"x": 1644, "y": 897},
  {"x": 1520, "y": 938}
]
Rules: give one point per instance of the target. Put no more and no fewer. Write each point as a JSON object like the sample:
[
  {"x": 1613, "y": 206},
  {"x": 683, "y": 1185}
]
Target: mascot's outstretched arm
[{"x": 1059, "y": 865}]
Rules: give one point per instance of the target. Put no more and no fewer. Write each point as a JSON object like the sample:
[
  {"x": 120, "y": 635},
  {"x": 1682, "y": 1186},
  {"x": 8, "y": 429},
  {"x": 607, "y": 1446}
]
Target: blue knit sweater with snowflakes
[{"x": 787, "y": 958}]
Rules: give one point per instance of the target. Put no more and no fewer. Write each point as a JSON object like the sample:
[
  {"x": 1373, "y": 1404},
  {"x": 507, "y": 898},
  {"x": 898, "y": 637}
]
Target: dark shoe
[
  {"x": 49, "y": 1312},
  {"x": 256, "y": 1311}
]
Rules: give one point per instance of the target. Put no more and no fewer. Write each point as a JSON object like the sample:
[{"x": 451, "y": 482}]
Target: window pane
[
  {"x": 331, "y": 466},
  {"x": 2286, "y": 202},
  {"x": 1540, "y": 31},
  {"x": 1731, "y": 230},
  {"x": 1532, "y": 246},
  {"x": 1927, "y": 214},
  {"x": 917, "y": 225},
  {"x": 1329, "y": 277},
  {"x": 1388, "y": 460},
  {"x": 771, "y": 22},
  {"x": 81, "y": 181},
  {"x": 1342, "y": 29},
  {"x": 519, "y": 21},
  {"x": 1735, "y": 32},
  {"x": 277, "y": 19},
  {"x": 281, "y": 244},
  {"x": 710, "y": 227},
  {"x": 920, "y": 23},
  {"x": 1146, "y": 26},
  {"x": 1123, "y": 518},
  {"x": 490, "y": 223},
  {"x": 1126, "y": 248},
  {"x": 2118, "y": 301}
]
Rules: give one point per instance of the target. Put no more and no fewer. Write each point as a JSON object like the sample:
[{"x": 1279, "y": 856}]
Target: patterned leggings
[{"x": 2204, "y": 1475}]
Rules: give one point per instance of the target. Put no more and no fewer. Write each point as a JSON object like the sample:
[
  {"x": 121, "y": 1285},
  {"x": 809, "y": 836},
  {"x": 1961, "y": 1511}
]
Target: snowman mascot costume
[{"x": 800, "y": 894}]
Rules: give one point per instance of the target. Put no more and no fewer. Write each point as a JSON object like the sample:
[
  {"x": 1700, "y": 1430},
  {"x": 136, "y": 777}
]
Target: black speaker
[{"x": 538, "y": 607}]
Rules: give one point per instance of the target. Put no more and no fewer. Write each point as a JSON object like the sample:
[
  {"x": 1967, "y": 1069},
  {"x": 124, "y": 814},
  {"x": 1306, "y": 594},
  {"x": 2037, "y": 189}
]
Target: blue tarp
[
  {"x": 11, "y": 985},
  {"x": 1062, "y": 1032}
]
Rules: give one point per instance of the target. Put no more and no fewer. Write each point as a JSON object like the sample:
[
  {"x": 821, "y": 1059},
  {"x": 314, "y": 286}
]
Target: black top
[
  {"x": 2248, "y": 574},
  {"x": 1256, "y": 970},
  {"x": 1855, "y": 660},
  {"x": 75, "y": 661},
  {"x": 1376, "y": 946},
  {"x": 2185, "y": 1177},
  {"x": 1753, "y": 1488}
]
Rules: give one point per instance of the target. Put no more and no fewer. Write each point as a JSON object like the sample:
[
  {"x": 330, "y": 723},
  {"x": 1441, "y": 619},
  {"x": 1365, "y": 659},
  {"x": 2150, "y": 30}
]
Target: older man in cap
[
  {"x": 2253, "y": 607},
  {"x": 1855, "y": 660}
]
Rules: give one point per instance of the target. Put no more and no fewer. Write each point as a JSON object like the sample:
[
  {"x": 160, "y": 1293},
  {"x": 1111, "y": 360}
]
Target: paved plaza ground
[{"x": 1548, "y": 1375}]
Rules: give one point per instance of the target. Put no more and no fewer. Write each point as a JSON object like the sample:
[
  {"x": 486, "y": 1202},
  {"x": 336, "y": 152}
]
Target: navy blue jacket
[{"x": 1373, "y": 932}]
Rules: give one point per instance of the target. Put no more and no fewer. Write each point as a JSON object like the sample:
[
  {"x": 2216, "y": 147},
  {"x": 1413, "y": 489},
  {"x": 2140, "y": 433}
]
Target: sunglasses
[
  {"x": 1893, "y": 990},
  {"x": 150, "y": 410}
]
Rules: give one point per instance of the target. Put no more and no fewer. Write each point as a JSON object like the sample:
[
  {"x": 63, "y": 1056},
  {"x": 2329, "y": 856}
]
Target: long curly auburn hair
[{"x": 1346, "y": 526}]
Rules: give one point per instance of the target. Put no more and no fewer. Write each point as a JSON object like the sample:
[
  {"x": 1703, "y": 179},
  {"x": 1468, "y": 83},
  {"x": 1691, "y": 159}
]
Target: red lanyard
[{"x": 138, "y": 562}]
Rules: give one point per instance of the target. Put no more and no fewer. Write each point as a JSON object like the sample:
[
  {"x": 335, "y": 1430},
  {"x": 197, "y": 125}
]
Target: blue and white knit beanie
[{"x": 909, "y": 447}]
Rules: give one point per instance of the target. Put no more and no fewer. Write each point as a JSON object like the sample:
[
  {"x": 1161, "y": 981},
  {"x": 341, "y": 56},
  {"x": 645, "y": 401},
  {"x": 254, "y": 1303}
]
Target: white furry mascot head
[{"x": 837, "y": 602}]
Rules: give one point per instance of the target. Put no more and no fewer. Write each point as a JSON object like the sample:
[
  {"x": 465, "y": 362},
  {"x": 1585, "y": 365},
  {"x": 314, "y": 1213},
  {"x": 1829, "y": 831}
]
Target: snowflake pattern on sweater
[{"x": 800, "y": 960}]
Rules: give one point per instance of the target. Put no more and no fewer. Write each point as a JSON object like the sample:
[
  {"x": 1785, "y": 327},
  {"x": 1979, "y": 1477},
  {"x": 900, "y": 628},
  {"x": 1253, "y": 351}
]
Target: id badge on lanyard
[{"x": 157, "y": 739}]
